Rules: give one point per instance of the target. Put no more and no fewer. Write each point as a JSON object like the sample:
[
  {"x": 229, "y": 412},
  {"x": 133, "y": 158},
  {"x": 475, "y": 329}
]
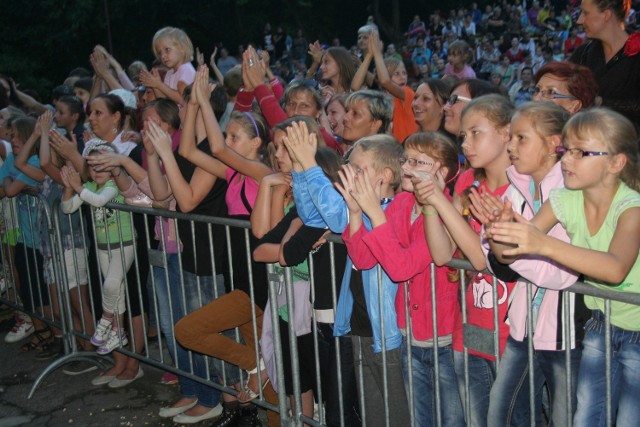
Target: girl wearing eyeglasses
[
  {"x": 450, "y": 226},
  {"x": 536, "y": 130},
  {"x": 600, "y": 209}
]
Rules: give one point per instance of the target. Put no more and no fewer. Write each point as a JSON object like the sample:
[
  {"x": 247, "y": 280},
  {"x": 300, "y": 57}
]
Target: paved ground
[{"x": 63, "y": 400}]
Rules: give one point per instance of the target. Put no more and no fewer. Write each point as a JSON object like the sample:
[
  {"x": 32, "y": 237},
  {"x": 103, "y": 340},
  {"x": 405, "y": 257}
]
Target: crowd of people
[{"x": 507, "y": 137}]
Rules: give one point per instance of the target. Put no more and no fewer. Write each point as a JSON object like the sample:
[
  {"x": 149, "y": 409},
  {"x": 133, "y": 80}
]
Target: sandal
[
  {"x": 245, "y": 387},
  {"x": 39, "y": 341}
]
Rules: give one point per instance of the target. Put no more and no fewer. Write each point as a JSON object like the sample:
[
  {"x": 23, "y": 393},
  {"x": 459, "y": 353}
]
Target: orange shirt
[{"x": 404, "y": 123}]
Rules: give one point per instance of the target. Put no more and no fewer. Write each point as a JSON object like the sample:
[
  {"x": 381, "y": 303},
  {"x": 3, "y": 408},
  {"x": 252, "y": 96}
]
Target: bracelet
[{"x": 428, "y": 213}]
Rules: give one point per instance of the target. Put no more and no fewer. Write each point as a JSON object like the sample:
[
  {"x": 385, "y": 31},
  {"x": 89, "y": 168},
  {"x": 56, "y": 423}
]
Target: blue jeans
[
  {"x": 510, "y": 393},
  {"x": 482, "y": 373},
  {"x": 424, "y": 385},
  {"x": 625, "y": 376},
  {"x": 174, "y": 302}
]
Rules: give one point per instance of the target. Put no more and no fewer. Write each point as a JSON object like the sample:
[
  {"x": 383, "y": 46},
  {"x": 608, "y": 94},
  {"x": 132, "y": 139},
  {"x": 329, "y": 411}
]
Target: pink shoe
[
  {"x": 169, "y": 378},
  {"x": 140, "y": 199}
]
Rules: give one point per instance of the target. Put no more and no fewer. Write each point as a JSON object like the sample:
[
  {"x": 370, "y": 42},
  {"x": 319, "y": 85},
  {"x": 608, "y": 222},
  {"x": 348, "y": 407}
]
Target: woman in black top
[{"x": 612, "y": 54}]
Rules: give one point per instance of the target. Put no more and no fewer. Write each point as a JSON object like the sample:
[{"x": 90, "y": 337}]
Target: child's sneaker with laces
[
  {"x": 116, "y": 339},
  {"x": 20, "y": 330},
  {"x": 102, "y": 332}
]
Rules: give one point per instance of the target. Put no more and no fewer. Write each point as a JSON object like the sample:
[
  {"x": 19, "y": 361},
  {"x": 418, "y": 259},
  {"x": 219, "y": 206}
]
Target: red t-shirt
[{"x": 479, "y": 295}]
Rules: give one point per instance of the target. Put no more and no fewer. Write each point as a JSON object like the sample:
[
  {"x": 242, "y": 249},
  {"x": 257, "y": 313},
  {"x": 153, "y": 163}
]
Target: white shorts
[{"x": 76, "y": 274}]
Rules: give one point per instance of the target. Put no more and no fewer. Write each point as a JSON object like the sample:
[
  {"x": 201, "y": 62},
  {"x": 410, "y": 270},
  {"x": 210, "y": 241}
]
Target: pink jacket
[
  {"x": 543, "y": 272},
  {"x": 401, "y": 249}
]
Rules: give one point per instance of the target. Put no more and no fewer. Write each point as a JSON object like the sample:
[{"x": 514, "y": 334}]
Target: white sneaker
[
  {"x": 20, "y": 330},
  {"x": 116, "y": 339},
  {"x": 102, "y": 332}
]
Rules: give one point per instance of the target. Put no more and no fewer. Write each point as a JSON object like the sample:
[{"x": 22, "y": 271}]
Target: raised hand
[
  {"x": 37, "y": 130},
  {"x": 63, "y": 176},
  {"x": 201, "y": 86},
  {"x": 265, "y": 58},
  {"x": 252, "y": 69},
  {"x": 199, "y": 57},
  {"x": 375, "y": 45},
  {"x": 488, "y": 208},
  {"x": 327, "y": 92},
  {"x": 301, "y": 144},
  {"x": 366, "y": 195},
  {"x": 99, "y": 62},
  {"x": 159, "y": 138},
  {"x": 100, "y": 49},
  {"x": 212, "y": 58},
  {"x": 62, "y": 145},
  {"x": 316, "y": 51},
  {"x": 346, "y": 186},
  {"x": 150, "y": 78},
  {"x": 70, "y": 176},
  {"x": 428, "y": 187},
  {"x": 45, "y": 120}
]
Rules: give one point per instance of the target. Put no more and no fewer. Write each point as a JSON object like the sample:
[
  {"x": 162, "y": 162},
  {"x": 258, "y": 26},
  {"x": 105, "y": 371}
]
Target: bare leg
[
  {"x": 82, "y": 317},
  {"x": 54, "y": 308},
  {"x": 132, "y": 364}
]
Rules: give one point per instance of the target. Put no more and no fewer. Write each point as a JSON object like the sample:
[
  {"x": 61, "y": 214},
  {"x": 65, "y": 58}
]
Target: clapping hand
[
  {"x": 62, "y": 145},
  {"x": 202, "y": 88},
  {"x": 427, "y": 186},
  {"x": 45, "y": 120},
  {"x": 375, "y": 44},
  {"x": 199, "y": 57},
  {"x": 71, "y": 178},
  {"x": 522, "y": 235},
  {"x": 301, "y": 145},
  {"x": 151, "y": 78},
  {"x": 212, "y": 58},
  {"x": 252, "y": 69}
]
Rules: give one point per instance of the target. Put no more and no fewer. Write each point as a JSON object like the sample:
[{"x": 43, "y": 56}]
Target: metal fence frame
[{"x": 72, "y": 352}]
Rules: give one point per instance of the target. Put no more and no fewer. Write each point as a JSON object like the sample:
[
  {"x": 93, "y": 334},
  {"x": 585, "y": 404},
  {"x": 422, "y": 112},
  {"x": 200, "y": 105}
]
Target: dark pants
[{"x": 329, "y": 376}]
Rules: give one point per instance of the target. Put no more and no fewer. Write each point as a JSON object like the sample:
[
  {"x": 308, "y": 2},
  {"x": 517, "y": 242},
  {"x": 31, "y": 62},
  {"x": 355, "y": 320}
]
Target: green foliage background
[{"x": 42, "y": 40}]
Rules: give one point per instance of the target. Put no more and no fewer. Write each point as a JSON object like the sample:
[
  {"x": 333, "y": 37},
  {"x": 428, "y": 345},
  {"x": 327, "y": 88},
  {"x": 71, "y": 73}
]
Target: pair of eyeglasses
[
  {"x": 578, "y": 153},
  {"x": 550, "y": 94},
  {"x": 414, "y": 162},
  {"x": 455, "y": 98}
]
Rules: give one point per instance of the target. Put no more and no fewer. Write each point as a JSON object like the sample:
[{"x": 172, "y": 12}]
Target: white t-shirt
[{"x": 185, "y": 73}]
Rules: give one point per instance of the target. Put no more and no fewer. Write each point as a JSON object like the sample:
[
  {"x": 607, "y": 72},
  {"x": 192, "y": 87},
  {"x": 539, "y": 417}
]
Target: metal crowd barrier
[{"x": 289, "y": 413}]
